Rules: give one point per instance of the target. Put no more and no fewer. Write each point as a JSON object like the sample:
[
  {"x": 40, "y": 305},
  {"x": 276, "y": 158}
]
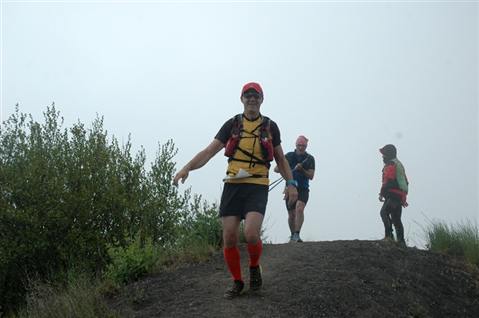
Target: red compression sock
[
  {"x": 254, "y": 253},
  {"x": 233, "y": 258}
]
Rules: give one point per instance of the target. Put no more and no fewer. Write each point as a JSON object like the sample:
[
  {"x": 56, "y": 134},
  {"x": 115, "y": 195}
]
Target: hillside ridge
[{"x": 354, "y": 278}]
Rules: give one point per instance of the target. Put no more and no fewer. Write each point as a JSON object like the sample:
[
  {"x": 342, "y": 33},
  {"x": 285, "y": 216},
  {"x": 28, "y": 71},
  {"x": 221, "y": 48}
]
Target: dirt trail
[{"x": 312, "y": 279}]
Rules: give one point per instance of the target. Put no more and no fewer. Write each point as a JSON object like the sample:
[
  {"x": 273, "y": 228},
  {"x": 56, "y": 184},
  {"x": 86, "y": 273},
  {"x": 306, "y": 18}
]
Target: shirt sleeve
[
  {"x": 274, "y": 130},
  {"x": 312, "y": 164},
  {"x": 225, "y": 131}
]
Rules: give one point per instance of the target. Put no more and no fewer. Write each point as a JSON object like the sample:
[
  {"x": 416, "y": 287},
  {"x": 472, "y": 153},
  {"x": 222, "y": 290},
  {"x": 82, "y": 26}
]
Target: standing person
[
  {"x": 302, "y": 164},
  {"x": 250, "y": 141},
  {"x": 393, "y": 193}
]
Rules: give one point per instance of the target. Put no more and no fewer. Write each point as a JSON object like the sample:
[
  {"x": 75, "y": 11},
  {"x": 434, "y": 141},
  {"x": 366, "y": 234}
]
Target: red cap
[{"x": 252, "y": 85}]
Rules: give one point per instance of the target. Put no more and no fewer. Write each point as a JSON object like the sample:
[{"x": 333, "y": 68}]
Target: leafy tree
[{"x": 68, "y": 194}]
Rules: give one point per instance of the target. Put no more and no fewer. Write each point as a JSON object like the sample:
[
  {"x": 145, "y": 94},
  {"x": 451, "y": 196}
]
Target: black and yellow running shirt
[{"x": 249, "y": 142}]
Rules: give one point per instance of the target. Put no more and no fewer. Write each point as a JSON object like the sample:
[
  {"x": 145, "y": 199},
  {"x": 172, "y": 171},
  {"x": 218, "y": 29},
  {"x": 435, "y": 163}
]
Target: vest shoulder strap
[
  {"x": 265, "y": 127},
  {"x": 237, "y": 125}
]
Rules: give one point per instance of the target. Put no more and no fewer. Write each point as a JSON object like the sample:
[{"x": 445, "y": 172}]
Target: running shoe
[
  {"x": 297, "y": 238},
  {"x": 255, "y": 280},
  {"x": 235, "y": 291}
]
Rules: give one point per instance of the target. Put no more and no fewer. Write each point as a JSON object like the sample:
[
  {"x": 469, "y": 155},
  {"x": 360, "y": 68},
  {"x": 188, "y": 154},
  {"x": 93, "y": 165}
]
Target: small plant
[
  {"x": 136, "y": 297},
  {"x": 417, "y": 310},
  {"x": 130, "y": 264},
  {"x": 396, "y": 286}
]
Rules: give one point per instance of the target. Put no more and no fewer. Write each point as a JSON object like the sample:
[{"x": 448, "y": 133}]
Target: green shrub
[
  {"x": 131, "y": 263},
  {"x": 206, "y": 226},
  {"x": 67, "y": 193}
]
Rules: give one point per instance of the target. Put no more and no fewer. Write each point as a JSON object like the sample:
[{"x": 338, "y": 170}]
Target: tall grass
[
  {"x": 80, "y": 297},
  {"x": 460, "y": 240}
]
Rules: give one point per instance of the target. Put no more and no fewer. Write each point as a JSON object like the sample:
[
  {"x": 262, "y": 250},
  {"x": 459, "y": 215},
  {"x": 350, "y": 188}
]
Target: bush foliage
[
  {"x": 68, "y": 196},
  {"x": 132, "y": 263}
]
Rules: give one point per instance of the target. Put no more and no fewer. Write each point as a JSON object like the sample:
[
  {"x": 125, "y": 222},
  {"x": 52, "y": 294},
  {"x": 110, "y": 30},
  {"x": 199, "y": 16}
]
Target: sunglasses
[{"x": 255, "y": 95}]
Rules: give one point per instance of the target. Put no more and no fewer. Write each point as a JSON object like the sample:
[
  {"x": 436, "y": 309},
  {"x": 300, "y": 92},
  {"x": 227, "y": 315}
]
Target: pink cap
[{"x": 302, "y": 140}]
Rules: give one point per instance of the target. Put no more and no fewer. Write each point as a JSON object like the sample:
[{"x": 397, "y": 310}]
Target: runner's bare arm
[
  {"x": 307, "y": 173},
  {"x": 199, "y": 160},
  {"x": 291, "y": 192}
]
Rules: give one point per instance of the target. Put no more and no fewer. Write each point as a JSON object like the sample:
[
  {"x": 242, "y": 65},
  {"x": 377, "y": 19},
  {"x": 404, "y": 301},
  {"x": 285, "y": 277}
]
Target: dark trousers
[{"x": 391, "y": 215}]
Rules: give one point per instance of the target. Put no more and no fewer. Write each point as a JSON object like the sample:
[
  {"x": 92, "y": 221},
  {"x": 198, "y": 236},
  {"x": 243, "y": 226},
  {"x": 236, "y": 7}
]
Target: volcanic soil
[{"x": 313, "y": 279}]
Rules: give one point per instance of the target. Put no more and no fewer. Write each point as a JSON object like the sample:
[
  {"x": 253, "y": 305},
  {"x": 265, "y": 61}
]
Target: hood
[{"x": 389, "y": 152}]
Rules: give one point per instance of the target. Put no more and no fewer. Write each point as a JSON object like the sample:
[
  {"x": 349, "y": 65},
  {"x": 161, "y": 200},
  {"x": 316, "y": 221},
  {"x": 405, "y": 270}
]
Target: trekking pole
[
  {"x": 275, "y": 183},
  {"x": 278, "y": 181}
]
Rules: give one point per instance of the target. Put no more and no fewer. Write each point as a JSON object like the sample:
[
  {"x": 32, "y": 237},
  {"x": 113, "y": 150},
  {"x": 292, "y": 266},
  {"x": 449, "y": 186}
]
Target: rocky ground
[{"x": 313, "y": 279}]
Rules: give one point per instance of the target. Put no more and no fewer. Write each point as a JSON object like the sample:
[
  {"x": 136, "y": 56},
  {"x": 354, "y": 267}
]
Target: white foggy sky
[{"x": 350, "y": 76}]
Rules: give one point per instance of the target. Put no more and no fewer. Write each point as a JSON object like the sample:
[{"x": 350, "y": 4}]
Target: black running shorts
[
  {"x": 303, "y": 195},
  {"x": 240, "y": 198}
]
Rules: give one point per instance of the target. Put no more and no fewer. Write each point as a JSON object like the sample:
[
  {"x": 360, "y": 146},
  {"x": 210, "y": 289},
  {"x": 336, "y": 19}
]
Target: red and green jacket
[{"x": 395, "y": 183}]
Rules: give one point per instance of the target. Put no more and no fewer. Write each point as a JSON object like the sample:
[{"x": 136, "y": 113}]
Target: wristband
[{"x": 293, "y": 182}]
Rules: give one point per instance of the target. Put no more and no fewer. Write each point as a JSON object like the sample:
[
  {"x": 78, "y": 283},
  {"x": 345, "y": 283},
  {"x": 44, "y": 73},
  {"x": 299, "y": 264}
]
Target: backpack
[
  {"x": 263, "y": 137},
  {"x": 294, "y": 160}
]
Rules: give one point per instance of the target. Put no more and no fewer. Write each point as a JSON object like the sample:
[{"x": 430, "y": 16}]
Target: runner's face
[
  {"x": 251, "y": 103},
  {"x": 300, "y": 149}
]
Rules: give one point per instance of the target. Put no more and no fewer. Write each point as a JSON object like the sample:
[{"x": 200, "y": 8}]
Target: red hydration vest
[{"x": 263, "y": 136}]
